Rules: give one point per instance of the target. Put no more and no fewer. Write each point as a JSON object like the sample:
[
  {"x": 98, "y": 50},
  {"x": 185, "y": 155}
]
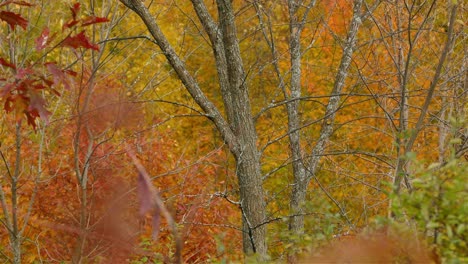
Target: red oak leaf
[
  {"x": 70, "y": 72},
  {"x": 43, "y": 39},
  {"x": 7, "y": 89},
  {"x": 6, "y": 63},
  {"x": 37, "y": 105},
  {"x": 23, "y": 72},
  {"x": 93, "y": 20},
  {"x": 24, "y": 86},
  {"x": 70, "y": 24},
  {"x": 78, "y": 41},
  {"x": 23, "y": 3},
  {"x": 31, "y": 116},
  {"x": 75, "y": 9},
  {"x": 13, "y": 19},
  {"x": 9, "y": 103},
  {"x": 60, "y": 76},
  {"x": 48, "y": 82}
]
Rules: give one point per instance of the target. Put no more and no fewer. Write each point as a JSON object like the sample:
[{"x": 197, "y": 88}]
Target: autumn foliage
[{"x": 107, "y": 157}]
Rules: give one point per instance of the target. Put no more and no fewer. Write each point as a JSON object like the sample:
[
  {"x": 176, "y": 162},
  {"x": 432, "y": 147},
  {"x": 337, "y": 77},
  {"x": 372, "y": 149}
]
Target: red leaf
[
  {"x": 43, "y": 39},
  {"x": 48, "y": 82},
  {"x": 7, "y": 89},
  {"x": 78, "y": 41},
  {"x": 59, "y": 75},
  {"x": 23, "y": 86},
  {"x": 31, "y": 116},
  {"x": 23, "y": 3},
  {"x": 39, "y": 86},
  {"x": 37, "y": 105},
  {"x": 6, "y": 63},
  {"x": 75, "y": 9},
  {"x": 93, "y": 20},
  {"x": 9, "y": 103},
  {"x": 13, "y": 19},
  {"x": 21, "y": 73},
  {"x": 70, "y": 24},
  {"x": 70, "y": 72}
]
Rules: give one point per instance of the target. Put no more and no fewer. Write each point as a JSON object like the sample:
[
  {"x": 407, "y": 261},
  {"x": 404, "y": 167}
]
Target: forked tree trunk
[{"x": 298, "y": 194}]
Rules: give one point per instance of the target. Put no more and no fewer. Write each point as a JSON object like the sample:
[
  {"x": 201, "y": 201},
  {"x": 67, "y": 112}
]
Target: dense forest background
[{"x": 227, "y": 131}]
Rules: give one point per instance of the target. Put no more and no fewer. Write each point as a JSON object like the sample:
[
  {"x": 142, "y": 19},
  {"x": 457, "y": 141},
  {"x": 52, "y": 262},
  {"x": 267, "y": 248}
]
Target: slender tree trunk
[
  {"x": 16, "y": 235},
  {"x": 16, "y": 245},
  {"x": 297, "y": 196},
  {"x": 300, "y": 185},
  {"x": 81, "y": 241}
]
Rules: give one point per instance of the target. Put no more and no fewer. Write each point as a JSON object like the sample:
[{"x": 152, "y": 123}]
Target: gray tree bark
[
  {"x": 298, "y": 194},
  {"x": 297, "y": 198}
]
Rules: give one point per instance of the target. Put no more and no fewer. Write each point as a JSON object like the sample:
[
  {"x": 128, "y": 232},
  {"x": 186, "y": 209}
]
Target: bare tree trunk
[
  {"x": 15, "y": 234},
  {"x": 297, "y": 199},
  {"x": 300, "y": 187}
]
